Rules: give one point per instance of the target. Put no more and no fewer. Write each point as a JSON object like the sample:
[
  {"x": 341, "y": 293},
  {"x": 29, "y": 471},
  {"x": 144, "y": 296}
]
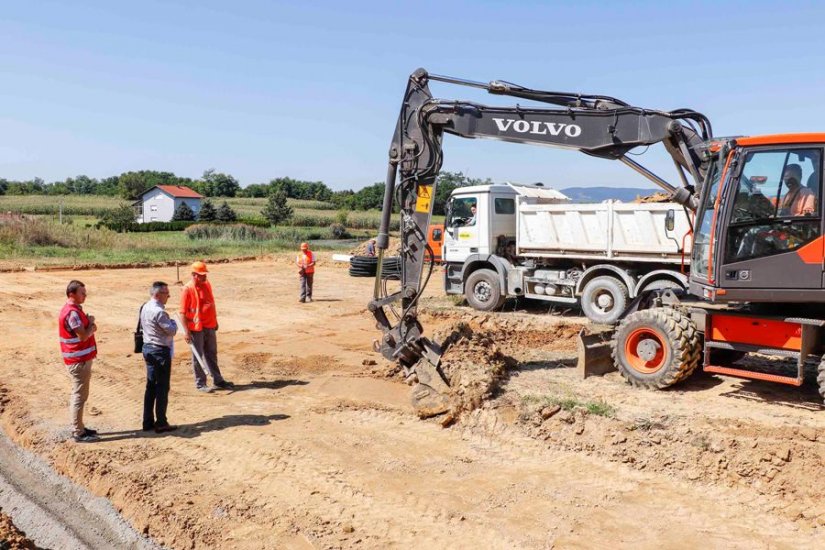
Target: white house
[{"x": 159, "y": 203}]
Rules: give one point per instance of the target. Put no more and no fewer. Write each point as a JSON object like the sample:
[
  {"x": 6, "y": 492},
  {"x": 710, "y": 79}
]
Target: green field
[
  {"x": 306, "y": 213},
  {"x": 42, "y": 240}
]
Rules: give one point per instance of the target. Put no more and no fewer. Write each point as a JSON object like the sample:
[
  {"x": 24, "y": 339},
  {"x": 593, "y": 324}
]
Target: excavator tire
[
  {"x": 820, "y": 378},
  {"x": 656, "y": 348},
  {"x": 482, "y": 290}
]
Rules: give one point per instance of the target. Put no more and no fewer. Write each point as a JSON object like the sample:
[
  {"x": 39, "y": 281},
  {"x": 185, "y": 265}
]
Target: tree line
[{"x": 130, "y": 185}]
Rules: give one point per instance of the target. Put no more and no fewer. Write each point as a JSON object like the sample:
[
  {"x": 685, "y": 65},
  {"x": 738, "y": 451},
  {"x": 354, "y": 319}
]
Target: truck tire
[
  {"x": 482, "y": 290},
  {"x": 656, "y": 348},
  {"x": 820, "y": 378},
  {"x": 604, "y": 299}
]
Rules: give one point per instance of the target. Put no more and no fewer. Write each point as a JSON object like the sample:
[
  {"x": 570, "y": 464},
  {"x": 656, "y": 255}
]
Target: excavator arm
[{"x": 599, "y": 126}]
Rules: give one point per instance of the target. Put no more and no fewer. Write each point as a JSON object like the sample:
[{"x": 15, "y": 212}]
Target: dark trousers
[
  {"x": 206, "y": 343},
  {"x": 306, "y": 285},
  {"x": 158, "y": 372}
]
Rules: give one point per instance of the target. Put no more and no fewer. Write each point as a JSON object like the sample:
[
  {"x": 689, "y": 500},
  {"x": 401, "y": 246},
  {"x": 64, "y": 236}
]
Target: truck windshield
[
  {"x": 462, "y": 211},
  {"x": 701, "y": 241}
]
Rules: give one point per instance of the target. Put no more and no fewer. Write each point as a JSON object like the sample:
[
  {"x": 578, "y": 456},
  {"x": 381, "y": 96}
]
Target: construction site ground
[{"x": 318, "y": 447}]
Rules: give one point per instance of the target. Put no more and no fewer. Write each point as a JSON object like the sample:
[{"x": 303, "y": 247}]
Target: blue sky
[{"x": 311, "y": 90}]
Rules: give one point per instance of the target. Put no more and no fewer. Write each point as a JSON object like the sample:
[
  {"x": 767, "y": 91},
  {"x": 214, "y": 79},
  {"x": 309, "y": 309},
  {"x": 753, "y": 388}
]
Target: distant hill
[{"x": 599, "y": 194}]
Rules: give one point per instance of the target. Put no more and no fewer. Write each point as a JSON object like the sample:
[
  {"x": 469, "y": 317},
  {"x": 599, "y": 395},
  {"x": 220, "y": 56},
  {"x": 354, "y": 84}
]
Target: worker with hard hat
[
  {"x": 306, "y": 270},
  {"x": 200, "y": 322}
]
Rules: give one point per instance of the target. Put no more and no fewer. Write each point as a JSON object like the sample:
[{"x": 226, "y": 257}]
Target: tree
[
  {"x": 119, "y": 219},
  {"x": 133, "y": 184},
  {"x": 225, "y": 213},
  {"x": 183, "y": 213},
  {"x": 276, "y": 210},
  {"x": 219, "y": 185},
  {"x": 254, "y": 190},
  {"x": 447, "y": 182},
  {"x": 207, "y": 213}
]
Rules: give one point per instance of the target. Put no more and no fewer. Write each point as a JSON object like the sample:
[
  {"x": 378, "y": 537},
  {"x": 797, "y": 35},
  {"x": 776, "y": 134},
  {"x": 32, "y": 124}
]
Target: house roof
[{"x": 178, "y": 191}]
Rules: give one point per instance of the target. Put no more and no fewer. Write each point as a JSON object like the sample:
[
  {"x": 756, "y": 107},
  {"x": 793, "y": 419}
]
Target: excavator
[{"x": 757, "y": 274}]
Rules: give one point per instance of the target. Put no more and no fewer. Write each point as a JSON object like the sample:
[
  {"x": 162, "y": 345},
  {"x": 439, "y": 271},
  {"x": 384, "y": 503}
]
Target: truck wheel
[
  {"x": 604, "y": 299},
  {"x": 820, "y": 378},
  {"x": 483, "y": 291},
  {"x": 655, "y": 348}
]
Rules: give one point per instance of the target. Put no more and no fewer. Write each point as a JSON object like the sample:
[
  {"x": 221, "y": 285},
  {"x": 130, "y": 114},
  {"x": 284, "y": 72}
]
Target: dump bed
[{"x": 610, "y": 230}]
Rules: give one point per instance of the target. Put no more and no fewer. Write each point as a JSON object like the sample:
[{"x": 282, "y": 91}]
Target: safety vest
[
  {"x": 198, "y": 306},
  {"x": 304, "y": 259},
  {"x": 73, "y": 350}
]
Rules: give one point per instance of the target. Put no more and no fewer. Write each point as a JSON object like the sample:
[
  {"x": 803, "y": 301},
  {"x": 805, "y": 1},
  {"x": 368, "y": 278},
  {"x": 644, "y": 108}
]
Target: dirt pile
[
  {"x": 394, "y": 248},
  {"x": 655, "y": 197},
  {"x": 12, "y": 538},
  {"x": 788, "y": 463},
  {"x": 512, "y": 334},
  {"x": 475, "y": 367}
]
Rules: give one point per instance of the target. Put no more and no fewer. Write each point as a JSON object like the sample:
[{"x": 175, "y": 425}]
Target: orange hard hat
[
  {"x": 199, "y": 267},
  {"x": 304, "y": 246}
]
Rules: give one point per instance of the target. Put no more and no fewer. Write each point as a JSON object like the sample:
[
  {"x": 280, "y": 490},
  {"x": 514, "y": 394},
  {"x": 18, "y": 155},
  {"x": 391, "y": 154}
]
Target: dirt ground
[{"x": 318, "y": 447}]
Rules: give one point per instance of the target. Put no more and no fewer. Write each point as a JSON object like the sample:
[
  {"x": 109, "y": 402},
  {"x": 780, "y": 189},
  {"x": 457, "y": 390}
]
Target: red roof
[{"x": 180, "y": 191}]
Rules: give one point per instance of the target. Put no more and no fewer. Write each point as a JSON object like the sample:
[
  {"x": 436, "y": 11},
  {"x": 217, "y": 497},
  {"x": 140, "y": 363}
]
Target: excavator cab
[{"x": 758, "y": 235}]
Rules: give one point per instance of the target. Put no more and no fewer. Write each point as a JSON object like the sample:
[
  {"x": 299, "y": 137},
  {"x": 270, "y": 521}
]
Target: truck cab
[{"x": 481, "y": 220}]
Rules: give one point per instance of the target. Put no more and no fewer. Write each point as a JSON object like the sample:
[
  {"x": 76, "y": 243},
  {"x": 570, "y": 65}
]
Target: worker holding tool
[
  {"x": 306, "y": 271},
  {"x": 78, "y": 347},
  {"x": 200, "y": 323},
  {"x": 158, "y": 339}
]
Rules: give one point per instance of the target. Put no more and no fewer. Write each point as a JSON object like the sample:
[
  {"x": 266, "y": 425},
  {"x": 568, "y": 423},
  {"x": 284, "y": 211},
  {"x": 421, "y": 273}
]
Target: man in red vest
[
  {"x": 78, "y": 347},
  {"x": 200, "y": 322},
  {"x": 306, "y": 270}
]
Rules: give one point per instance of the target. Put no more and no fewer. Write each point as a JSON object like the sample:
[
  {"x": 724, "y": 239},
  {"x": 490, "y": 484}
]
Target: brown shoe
[{"x": 166, "y": 428}]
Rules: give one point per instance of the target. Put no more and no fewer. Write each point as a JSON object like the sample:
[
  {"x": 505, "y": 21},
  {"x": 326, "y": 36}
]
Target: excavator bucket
[
  {"x": 431, "y": 395},
  {"x": 595, "y": 357}
]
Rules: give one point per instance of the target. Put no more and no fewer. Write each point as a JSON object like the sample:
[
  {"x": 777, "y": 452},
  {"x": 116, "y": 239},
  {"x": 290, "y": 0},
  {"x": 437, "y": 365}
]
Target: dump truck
[
  {"x": 510, "y": 240},
  {"x": 757, "y": 268}
]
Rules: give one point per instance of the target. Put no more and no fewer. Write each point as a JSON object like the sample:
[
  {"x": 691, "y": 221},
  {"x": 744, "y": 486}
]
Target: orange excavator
[{"x": 757, "y": 277}]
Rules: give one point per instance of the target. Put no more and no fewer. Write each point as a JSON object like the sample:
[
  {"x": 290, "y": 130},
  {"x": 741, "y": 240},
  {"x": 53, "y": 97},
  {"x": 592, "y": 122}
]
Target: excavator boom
[{"x": 599, "y": 126}]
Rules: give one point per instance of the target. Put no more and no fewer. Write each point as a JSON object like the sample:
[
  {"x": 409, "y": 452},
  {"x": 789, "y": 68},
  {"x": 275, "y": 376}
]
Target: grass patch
[
  {"x": 39, "y": 242},
  {"x": 598, "y": 407}
]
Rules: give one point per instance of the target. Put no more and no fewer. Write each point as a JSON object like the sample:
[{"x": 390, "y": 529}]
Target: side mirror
[{"x": 670, "y": 220}]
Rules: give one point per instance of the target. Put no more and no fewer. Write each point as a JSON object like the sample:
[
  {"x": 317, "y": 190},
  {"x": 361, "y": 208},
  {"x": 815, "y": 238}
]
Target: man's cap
[
  {"x": 304, "y": 246},
  {"x": 199, "y": 267}
]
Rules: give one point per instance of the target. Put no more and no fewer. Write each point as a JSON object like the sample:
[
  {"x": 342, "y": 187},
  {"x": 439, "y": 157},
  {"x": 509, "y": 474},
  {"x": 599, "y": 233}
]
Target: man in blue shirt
[{"x": 158, "y": 339}]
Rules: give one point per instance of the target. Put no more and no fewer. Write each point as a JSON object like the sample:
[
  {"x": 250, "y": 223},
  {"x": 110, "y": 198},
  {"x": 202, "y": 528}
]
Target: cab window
[
  {"x": 776, "y": 207},
  {"x": 505, "y": 206},
  {"x": 463, "y": 211}
]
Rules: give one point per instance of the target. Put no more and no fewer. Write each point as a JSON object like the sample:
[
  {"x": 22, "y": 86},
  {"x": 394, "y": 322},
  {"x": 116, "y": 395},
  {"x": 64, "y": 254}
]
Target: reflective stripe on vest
[
  {"x": 80, "y": 353},
  {"x": 70, "y": 340}
]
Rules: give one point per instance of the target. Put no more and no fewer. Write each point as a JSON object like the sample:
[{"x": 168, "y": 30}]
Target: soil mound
[
  {"x": 475, "y": 367},
  {"x": 11, "y": 537}
]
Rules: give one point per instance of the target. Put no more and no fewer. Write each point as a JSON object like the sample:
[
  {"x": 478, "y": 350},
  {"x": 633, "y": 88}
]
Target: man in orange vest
[
  {"x": 306, "y": 270},
  {"x": 197, "y": 308},
  {"x": 78, "y": 347}
]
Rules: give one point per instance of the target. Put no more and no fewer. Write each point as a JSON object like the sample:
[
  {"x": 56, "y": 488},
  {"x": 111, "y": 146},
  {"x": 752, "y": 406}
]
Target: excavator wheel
[
  {"x": 482, "y": 290},
  {"x": 820, "y": 378},
  {"x": 655, "y": 348}
]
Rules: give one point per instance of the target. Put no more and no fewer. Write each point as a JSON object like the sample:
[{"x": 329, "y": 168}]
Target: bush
[
  {"x": 342, "y": 217},
  {"x": 183, "y": 213},
  {"x": 120, "y": 219},
  {"x": 339, "y": 231},
  {"x": 229, "y": 232},
  {"x": 225, "y": 213},
  {"x": 207, "y": 213},
  {"x": 276, "y": 210},
  {"x": 159, "y": 226}
]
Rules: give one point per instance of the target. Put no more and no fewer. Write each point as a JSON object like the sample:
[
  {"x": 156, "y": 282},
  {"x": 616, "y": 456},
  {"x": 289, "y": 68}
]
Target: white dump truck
[{"x": 510, "y": 240}]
